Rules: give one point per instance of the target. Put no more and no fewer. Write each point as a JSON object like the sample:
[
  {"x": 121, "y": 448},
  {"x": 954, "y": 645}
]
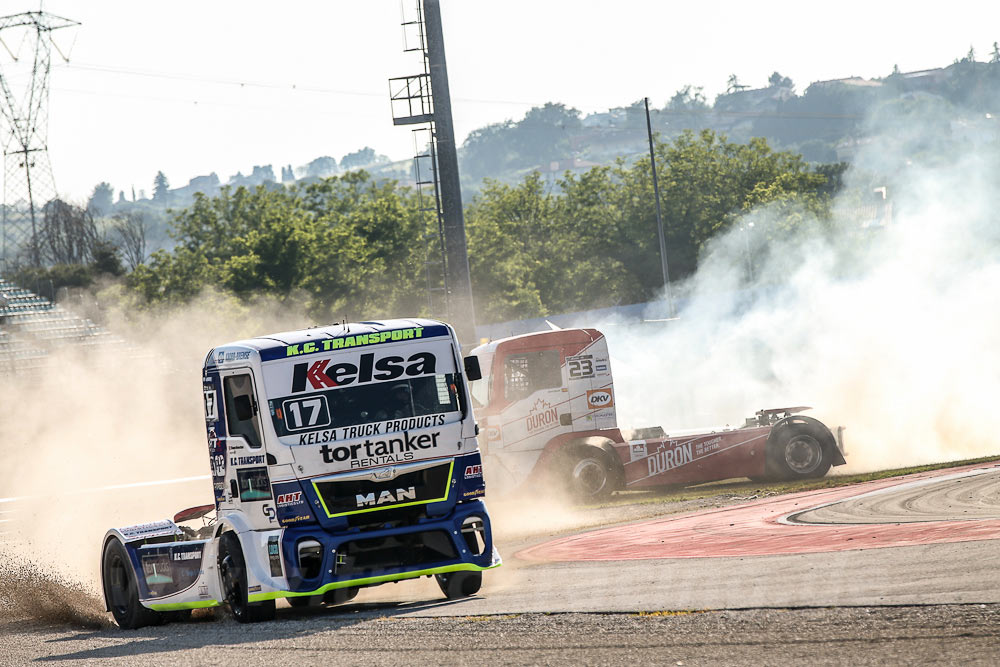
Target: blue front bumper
[{"x": 430, "y": 545}]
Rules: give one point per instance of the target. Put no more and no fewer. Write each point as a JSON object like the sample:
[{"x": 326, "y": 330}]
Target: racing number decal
[
  {"x": 211, "y": 413},
  {"x": 306, "y": 413},
  {"x": 580, "y": 367}
]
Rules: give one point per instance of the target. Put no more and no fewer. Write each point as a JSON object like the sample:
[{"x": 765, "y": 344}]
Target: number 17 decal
[{"x": 306, "y": 413}]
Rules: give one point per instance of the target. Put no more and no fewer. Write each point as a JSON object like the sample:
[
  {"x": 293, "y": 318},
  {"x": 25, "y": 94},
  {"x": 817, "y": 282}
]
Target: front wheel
[
  {"x": 340, "y": 595},
  {"x": 232, "y": 568},
  {"x": 121, "y": 590},
  {"x": 589, "y": 475},
  {"x": 456, "y": 585},
  {"x": 303, "y": 601}
]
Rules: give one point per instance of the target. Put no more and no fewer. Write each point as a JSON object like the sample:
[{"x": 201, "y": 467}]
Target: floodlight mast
[
  {"x": 28, "y": 181},
  {"x": 425, "y": 99}
]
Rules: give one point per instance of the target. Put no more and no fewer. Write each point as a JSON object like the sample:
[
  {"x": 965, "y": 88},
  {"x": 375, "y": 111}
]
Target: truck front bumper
[{"x": 435, "y": 545}]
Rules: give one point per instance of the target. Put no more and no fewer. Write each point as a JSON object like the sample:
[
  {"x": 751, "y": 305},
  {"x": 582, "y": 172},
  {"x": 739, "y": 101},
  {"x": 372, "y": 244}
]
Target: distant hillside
[{"x": 827, "y": 123}]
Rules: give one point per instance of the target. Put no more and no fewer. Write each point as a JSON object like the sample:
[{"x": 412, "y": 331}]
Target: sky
[{"x": 191, "y": 88}]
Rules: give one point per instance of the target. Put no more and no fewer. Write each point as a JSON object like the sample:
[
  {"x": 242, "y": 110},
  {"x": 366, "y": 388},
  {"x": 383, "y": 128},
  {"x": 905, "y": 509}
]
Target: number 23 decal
[{"x": 580, "y": 367}]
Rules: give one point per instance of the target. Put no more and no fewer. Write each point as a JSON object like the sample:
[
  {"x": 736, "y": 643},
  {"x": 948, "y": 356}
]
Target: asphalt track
[{"x": 837, "y": 566}]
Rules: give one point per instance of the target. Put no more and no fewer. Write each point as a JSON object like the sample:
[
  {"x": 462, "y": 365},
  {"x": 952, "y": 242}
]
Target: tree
[
  {"x": 105, "y": 258},
  {"x": 161, "y": 187},
  {"x": 776, "y": 80},
  {"x": 995, "y": 55},
  {"x": 350, "y": 246},
  {"x": 688, "y": 98},
  {"x": 733, "y": 84},
  {"x": 131, "y": 229},
  {"x": 68, "y": 233},
  {"x": 101, "y": 200},
  {"x": 321, "y": 167},
  {"x": 359, "y": 158}
]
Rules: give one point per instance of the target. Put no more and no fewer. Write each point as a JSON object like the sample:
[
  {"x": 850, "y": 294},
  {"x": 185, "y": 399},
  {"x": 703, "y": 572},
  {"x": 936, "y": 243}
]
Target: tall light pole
[{"x": 659, "y": 217}]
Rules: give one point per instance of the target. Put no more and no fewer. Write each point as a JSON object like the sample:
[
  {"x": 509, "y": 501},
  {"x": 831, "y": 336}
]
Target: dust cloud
[
  {"x": 80, "y": 437},
  {"x": 884, "y": 323}
]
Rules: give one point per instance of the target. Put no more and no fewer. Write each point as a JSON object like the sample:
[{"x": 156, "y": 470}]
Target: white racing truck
[{"x": 342, "y": 457}]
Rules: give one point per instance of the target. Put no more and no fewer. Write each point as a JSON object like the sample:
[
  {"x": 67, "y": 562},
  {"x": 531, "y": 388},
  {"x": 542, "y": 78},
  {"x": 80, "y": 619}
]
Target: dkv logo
[{"x": 599, "y": 398}]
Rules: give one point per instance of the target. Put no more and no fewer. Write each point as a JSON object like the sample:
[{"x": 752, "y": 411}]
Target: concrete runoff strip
[
  {"x": 963, "y": 496},
  {"x": 761, "y": 528}
]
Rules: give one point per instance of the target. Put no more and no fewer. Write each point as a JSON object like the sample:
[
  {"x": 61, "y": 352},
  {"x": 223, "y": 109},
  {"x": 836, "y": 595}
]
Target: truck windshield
[{"x": 399, "y": 400}]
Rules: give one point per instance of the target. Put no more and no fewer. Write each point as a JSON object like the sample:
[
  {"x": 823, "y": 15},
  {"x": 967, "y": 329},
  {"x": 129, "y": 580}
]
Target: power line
[
  {"x": 294, "y": 87},
  {"x": 265, "y": 85}
]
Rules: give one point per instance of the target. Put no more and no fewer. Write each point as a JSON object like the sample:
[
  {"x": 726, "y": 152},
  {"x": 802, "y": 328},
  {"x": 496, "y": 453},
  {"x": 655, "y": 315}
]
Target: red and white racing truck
[{"x": 547, "y": 403}]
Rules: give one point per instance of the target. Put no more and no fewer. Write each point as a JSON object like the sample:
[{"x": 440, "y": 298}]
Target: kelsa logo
[
  {"x": 473, "y": 471},
  {"x": 294, "y": 498},
  {"x": 599, "y": 398},
  {"x": 322, "y": 375}
]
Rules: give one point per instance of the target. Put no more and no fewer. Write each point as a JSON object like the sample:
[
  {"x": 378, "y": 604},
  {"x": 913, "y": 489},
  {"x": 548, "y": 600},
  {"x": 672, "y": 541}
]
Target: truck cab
[
  {"x": 341, "y": 457},
  {"x": 542, "y": 393}
]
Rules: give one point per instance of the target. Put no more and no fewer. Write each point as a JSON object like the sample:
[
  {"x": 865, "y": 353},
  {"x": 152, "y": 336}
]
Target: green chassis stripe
[
  {"x": 447, "y": 490},
  {"x": 260, "y": 597},
  {"x": 177, "y": 606}
]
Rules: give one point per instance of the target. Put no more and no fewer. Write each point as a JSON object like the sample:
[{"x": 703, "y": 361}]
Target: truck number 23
[{"x": 582, "y": 367}]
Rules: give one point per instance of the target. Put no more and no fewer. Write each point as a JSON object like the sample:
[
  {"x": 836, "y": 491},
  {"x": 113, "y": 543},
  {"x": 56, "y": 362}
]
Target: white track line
[{"x": 114, "y": 487}]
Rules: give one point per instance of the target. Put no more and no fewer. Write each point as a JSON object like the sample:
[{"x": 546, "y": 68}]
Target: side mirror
[{"x": 472, "y": 370}]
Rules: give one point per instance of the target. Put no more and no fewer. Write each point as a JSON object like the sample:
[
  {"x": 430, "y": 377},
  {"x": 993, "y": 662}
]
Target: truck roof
[
  {"x": 529, "y": 340},
  {"x": 351, "y": 334}
]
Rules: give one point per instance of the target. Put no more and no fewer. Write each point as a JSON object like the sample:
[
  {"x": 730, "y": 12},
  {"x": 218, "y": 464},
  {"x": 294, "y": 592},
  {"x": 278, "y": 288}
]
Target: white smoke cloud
[{"x": 890, "y": 331}]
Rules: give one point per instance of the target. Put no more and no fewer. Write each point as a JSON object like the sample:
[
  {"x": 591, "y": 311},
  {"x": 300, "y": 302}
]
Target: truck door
[
  {"x": 536, "y": 398},
  {"x": 248, "y": 486}
]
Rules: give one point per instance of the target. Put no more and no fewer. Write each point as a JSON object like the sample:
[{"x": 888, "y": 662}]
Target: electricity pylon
[{"x": 28, "y": 181}]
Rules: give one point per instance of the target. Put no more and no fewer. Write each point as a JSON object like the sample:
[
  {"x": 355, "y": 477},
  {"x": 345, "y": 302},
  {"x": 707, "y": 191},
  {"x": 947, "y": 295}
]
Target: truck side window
[
  {"x": 528, "y": 372},
  {"x": 239, "y": 409}
]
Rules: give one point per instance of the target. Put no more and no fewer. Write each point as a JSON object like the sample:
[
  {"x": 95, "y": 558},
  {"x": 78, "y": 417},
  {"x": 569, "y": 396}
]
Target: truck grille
[{"x": 391, "y": 487}]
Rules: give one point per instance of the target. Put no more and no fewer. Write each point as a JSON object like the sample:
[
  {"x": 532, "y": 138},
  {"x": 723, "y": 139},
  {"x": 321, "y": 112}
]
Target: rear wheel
[
  {"x": 232, "y": 568},
  {"x": 121, "y": 590},
  {"x": 796, "y": 454},
  {"x": 456, "y": 585}
]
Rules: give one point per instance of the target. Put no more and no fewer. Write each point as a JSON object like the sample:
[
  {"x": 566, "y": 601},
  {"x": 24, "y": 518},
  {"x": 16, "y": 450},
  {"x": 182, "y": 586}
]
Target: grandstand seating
[{"x": 32, "y": 327}]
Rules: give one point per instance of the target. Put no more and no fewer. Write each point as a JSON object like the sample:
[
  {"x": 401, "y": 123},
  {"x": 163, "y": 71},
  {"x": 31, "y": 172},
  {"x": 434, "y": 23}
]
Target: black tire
[
  {"x": 121, "y": 590},
  {"x": 304, "y": 601},
  {"x": 233, "y": 572},
  {"x": 456, "y": 585},
  {"x": 179, "y": 616},
  {"x": 340, "y": 595},
  {"x": 798, "y": 454},
  {"x": 589, "y": 475}
]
